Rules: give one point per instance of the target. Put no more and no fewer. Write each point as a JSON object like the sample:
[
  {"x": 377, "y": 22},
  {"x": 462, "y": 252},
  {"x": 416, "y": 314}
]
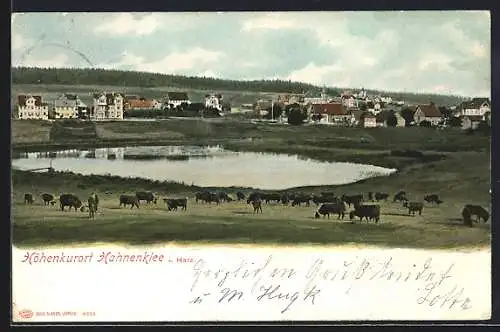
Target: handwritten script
[{"x": 269, "y": 281}]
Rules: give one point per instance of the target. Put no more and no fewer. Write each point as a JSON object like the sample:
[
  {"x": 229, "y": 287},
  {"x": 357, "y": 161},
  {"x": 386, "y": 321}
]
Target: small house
[
  {"x": 428, "y": 113},
  {"x": 332, "y": 113},
  {"x": 475, "y": 107},
  {"x": 175, "y": 99},
  {"x": 368, "y": 120}
]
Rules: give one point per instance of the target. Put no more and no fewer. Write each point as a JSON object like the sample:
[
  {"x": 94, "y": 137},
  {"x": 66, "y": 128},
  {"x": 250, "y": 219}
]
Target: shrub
[
  {"x": 425, "y": 124},
  {"x": 296, "y": 117}
]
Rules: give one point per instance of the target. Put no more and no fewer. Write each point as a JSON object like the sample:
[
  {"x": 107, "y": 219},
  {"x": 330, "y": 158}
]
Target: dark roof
[
  {"x": 22, "y": 100},
  {"x": 177, "y": 96},
  {"x": 70, "y": 96},
  {"x": 430, "y": 111},
  {"x": 474, "y": 103},
  {"x": 329, "y": 108}
]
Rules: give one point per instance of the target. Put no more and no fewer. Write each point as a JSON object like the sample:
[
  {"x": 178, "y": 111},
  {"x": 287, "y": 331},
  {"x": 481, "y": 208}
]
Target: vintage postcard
[{"x": 251, "y": 166}]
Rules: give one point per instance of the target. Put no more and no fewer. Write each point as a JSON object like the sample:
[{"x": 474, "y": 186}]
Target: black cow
[
  {"x": 326, "y": 209},
  {"x": 174, "y": 203},
  {"x": 381, "y": 196},
  {"x": 47, "y": 198},
  {"x": 28, "y": 199},
  {"x": 400, "y": 197},
  {"x": 70, "y": 200},
  {"x": 475, "y": 210},
  {"x": 352, "y": 199},
  {"x": 129, "y": 199},
  {"x": 240, "y": 195},
  {"x": 223, "y": 197},
  {"x": 433, "y": 199},
  {"x": 147, "y": 196},
  {"x": 414, "y": 207},
  {"x": 368, "y": 211},
  {"x": 302, "y": 199}
]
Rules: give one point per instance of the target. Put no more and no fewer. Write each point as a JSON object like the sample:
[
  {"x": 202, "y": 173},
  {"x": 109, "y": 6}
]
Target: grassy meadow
[{"x": 448, "y": 162}]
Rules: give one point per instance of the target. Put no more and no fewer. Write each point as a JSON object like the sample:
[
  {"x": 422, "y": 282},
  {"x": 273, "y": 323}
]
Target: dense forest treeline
[{"x": 95, "y": 76}]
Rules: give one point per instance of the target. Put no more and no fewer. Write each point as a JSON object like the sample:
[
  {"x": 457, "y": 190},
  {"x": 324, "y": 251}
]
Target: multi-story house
[
  {"x": 214, "y": 101},
  {"x": 66, "y": 107},
  {"x": 107, "y": 106},
  {"x": 475, "y": 107},
  {"x": 32, "y": 107}
]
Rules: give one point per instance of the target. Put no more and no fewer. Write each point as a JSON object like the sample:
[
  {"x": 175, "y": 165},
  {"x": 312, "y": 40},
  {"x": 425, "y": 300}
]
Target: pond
[{"x": 202, "y": 166}]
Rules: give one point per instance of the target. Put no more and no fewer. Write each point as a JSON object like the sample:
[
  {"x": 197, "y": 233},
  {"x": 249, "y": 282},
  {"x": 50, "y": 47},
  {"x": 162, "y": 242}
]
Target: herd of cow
[{"x": 328, "y": 203}]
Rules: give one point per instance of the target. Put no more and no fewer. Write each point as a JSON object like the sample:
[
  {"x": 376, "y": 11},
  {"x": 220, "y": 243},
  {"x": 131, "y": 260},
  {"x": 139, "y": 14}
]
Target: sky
[{"x": 443, "y": 52}]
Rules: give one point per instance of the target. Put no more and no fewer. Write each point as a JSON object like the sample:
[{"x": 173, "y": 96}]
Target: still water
[{"x": 202, "y": 166}]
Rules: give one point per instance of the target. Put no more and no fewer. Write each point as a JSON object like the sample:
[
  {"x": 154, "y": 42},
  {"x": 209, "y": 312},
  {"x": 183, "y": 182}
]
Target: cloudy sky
[{"x": 421, "y": 51}]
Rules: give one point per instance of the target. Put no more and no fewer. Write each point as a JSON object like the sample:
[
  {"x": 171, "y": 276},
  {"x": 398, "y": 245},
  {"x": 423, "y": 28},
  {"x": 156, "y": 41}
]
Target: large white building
[
  {"x": 475, "y": 107},
  {"x": 214, "y": 101},
  {"x": 107, "y": 106},
  {"x": 32, "y": 107}
]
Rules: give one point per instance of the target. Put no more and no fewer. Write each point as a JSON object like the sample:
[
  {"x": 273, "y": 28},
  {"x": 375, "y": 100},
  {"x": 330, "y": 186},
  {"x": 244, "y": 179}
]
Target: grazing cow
[
  {"x": 302, "y": 199},
  {"x": 147, "y": 196},
  {"x": 257, "y": 205},
  {"x": 92, "y": 204},
  {"x": 381, "y": 196},
  {"x": 174, "y": 203},
  {"x": 326, "y": 209},
  {"x": 223, "y": 197},
  {"x": 69, "y": 200},
  {"x": 433, "y": 199},
  {"x": 370, "y": 196},
  {"x": 400, "y": 197},
  {"x": 240, "y": 195},
  {"x": 129, "y": 199},
  {"x": 414, "y": 207},
  {"x": 28, "y": 199},
  {"x": 476, "y": 210},
  {"x": 368, "y": 211},
  {"x": 47, "y": 198},
  {"x": 352, "y": 199}
]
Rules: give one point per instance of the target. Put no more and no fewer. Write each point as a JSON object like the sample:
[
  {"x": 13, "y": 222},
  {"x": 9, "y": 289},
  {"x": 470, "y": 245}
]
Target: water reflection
[{"x": 201, "y": 165}]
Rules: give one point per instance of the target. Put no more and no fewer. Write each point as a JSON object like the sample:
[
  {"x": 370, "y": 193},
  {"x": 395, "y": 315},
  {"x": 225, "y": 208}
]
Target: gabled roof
[
  {"x": 474, "y": 103},
  {"x": 430, "y": 111},
  {"x": 330, "y": 109},
  {"x": 138, "y": 103},
  {"x": 70, "y": 96},
  {"x": 177, "y": 96}
]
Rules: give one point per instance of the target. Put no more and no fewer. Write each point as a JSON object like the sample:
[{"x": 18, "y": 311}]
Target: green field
[{"x": 451, "y": 163}]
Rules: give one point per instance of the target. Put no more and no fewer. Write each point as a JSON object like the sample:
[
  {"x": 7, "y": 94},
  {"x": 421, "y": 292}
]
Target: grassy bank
[{"x": 438, "y": 227}]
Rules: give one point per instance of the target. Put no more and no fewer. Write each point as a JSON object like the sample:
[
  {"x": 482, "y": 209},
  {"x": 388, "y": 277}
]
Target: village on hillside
[{"x": 346, "y": 109}]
